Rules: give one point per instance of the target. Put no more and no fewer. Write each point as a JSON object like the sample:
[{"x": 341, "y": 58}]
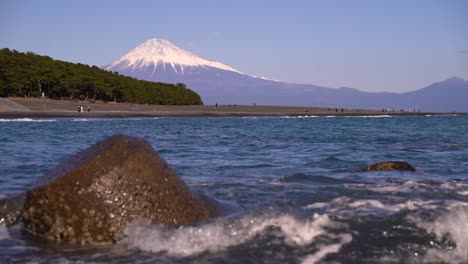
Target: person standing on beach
[{"x": 89, "y": 109}]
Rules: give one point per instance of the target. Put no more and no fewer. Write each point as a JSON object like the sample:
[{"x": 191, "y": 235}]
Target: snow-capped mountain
[
  {"x": 161, "y": 61},
  {"x": 159, "y": 53}
]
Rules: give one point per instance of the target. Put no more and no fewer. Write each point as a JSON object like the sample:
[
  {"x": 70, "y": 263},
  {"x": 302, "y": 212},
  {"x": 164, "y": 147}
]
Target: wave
[
  {"x": 27, "y": 120},
  {"x": 347, "y": 206},
  {"x": 333, "y": 116},
  {"x": 386, "y": 187},
  {"x": 371, "y": 116},
  {"x": 443, "y": 115},
  {"x": 299, "y": 117},
  {"x": 452, "y": 225},
  {"x": 95, "y": 119},
  {"x": 305, "y": 178},
  {"x": 222, "y": 234},
  {"x": 80, "y": 120},
  {"x": 443, "y": 222},
  {"x": 256, "y": 117},
  {"x": 410, "y": 186}
]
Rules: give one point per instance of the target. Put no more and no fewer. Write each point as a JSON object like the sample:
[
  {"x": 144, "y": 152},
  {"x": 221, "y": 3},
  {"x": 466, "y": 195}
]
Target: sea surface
[{"x": 295, "y": 185}]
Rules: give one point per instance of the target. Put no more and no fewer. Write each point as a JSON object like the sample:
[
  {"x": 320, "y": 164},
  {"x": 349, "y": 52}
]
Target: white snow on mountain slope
[{"x": 156, "y": 52}]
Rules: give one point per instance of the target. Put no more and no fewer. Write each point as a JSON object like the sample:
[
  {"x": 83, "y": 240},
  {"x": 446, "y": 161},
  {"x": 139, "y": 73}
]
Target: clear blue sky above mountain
[{"x": 371, "y": 45}]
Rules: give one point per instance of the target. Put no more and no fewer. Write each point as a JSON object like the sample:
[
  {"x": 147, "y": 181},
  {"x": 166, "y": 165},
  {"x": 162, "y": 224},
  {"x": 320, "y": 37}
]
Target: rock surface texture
[
  {"x": 390, "y": 166},
  {"x": 92, "y": 196}
]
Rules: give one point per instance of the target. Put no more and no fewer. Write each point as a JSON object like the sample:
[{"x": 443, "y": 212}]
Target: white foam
[
  {"x": 455, "y": 224},
  {"x": 346, "y": 205},
  {"x": 371, "y": 116},
  {"x": 392, "y": 187},
  {"x": 221, "y": 234},
  {"x": 324, "y": 250},
  {"x": 410, "y": 186},
  {"x": 299, "y": 117},
  {"x": 27, "y": 120},
  {"x": 459, "y": 187},
  {"x": 80, "y": 119}
]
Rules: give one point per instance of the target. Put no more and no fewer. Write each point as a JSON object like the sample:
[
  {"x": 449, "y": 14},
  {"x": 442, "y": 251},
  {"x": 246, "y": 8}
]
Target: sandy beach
[{"x": 44, "y": 108}]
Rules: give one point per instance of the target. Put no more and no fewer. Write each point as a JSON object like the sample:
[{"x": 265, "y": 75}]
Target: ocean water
[{"x": 295, "y": 185}]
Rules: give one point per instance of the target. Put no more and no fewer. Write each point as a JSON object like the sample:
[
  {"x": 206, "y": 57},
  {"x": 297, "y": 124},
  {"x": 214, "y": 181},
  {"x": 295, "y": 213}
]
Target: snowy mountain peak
[{"x": 155, "y": 52}]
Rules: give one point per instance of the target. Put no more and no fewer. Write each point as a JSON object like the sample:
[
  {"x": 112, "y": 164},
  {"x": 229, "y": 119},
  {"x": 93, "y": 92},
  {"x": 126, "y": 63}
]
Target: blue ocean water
[{"x": 296, "y": 185}]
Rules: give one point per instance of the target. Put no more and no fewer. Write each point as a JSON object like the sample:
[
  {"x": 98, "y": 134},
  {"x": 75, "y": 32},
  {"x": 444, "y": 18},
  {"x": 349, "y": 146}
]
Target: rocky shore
[{"x": 48, "y": 108}]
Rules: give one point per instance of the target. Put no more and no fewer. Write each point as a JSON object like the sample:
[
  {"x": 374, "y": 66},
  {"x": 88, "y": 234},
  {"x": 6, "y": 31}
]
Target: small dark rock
[
  {"x": 91, "y": 197},
  {"x": 390, "y": 166}
]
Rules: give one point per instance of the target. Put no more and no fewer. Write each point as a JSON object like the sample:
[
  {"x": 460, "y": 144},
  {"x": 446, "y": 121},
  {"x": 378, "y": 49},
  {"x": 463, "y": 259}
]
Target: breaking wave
[
  {"x": 222, "y": 234},
  {"x": 26, "y": 120},
  {"x": 450, "y": 229},
  {"x": 347, "y": 206},
  {"x": 300, "y": 116},
  {"x": 371, "y": 116}
]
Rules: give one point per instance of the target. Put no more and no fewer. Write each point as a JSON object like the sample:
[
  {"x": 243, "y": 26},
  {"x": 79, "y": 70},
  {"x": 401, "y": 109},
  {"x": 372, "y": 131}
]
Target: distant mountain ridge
[{"x": 161, "y": 61}]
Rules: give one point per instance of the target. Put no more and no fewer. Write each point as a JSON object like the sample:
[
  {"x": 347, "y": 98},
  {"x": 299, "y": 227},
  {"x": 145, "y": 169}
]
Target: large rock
[
  {"x": 93, "y": 195},
  {"x": 390, "y": 166}
]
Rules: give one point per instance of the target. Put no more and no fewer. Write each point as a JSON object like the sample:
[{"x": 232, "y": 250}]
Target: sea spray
[
  {"x": 221, "y": 234},
  {"x": 450, "y": 231}
]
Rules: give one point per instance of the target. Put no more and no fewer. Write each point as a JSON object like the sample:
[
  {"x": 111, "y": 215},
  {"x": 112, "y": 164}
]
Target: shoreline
[
  {"x": 17, "y": 115},
  {"x": 48, "y": 108}
]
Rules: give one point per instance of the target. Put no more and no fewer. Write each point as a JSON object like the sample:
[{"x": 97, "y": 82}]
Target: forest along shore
[{"x": 44, "y": 108}]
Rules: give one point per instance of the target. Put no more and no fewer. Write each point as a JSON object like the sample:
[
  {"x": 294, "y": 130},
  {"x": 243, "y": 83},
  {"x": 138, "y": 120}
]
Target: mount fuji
[{"x": 161, "y": 61}]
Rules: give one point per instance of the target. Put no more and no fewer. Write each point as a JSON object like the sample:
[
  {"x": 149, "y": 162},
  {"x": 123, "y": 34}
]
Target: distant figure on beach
[
  {"x": 79, "y": 108},
  {"x": 89, "y": 109},
  {"x": 216, "y": 105},
  {"x": 254, "y": 104}
]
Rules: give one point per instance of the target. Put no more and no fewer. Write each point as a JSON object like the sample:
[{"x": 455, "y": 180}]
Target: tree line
[{"x": 31, "y": 75}]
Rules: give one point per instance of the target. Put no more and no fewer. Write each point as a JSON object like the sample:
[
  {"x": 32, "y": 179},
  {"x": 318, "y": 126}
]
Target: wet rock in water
[
  {"x": 93, "y": 195},
  {"x": 10, "y": 209},
  {"x": 390, "y": 166}
]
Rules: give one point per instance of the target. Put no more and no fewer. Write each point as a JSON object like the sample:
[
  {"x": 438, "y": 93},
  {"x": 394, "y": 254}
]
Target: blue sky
[{"x": 371, "y": 45}]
